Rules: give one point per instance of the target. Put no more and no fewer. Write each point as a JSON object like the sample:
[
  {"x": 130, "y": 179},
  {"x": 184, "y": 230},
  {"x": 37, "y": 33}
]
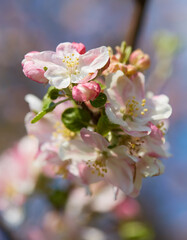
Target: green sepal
[
  {"x": 123, "y": 46},
  {"x": 53, "y": 93},
  {"x": 75, "y": 118},
  {"x": 99, "y": 101},
  {"x": 127, "y": 54},
  {"x": 102, "y": 86}
]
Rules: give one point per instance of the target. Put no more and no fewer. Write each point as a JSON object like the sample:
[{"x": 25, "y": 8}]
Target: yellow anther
[
  {"x": 133, "y": 145},
  {"x": 145, "y": 109},
  {"x": 143, "y": 104},
  {"x": 72, "y": 54},
  {"x": 142, "y": 113},
  {"x": 143, "y": 100}
]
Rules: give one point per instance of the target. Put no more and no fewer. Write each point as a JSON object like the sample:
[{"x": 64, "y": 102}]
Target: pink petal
[
  {"x": 81, "y": 49},
  {"x": 139, "y": 85},
  {"x": 94, "y": 139},
  {"x": 68, "y": 48},
  {"x": 119, "y": 88},
  {"x": 86, "y": 174},
  {"x": 94, "y": 59},
  {"x": 120, "y": 174}
]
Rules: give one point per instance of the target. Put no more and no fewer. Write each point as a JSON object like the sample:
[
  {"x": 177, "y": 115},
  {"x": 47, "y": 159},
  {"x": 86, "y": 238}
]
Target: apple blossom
[
  {"x": 66, "y": 65},
  {"x": 130, "y": 108},
  {"x": 19, "y": 169},
  {"x": 94, "y": 161}
]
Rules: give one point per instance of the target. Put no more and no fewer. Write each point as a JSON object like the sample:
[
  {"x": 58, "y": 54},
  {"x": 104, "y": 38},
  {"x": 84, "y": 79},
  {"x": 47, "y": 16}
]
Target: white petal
[
  {"x": 162, "y": 110},
  {"x": 112, "y": 116},
  {"x": 35, "y": 104},
  {"x": 77, "y": 151},
  {"x": 58, "y": 77}
]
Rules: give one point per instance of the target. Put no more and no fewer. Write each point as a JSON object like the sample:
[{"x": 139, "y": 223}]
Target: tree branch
[{"x": 136, "y": 22}]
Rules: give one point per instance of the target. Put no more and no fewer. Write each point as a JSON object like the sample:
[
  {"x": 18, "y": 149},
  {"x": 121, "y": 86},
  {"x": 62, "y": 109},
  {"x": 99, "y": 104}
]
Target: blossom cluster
[{"x": 97, "y": 122}]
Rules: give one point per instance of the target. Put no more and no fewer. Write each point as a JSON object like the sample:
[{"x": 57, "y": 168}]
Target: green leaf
[
  {"x": 53, "y": 93},
  {"x": 104, "y": 125},
  {"x": 75, "y": 118},
  {"x": 50, "y": 107},
  {"x": 46, "y": 102},
  {"x": 38, "y": 116},
  {"x": 58, "y": 198},
  {"x": 99, "y": 101},
  {"x": 135, "y": 230}
]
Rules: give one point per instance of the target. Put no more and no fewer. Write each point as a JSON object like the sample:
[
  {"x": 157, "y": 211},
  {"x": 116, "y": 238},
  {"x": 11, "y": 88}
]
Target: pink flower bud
[
  {"x": 135, "y": 56},
  {"x": 140, "y": 60},
  {"x": 130, "y": 70},
  {"x": 143, "y": 63},
  {"x": 86, "y": 91},
  {"x": 81, "y": 49},
  {"x": 33, "y": 71}
]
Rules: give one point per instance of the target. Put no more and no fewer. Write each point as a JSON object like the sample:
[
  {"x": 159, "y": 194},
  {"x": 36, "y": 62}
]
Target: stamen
[
  {"x": 98, "y": 166},
  {"x": 62, "y": 131}
]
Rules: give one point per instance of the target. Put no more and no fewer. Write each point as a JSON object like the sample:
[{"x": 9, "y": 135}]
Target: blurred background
[{"x": 41, "y": 25}]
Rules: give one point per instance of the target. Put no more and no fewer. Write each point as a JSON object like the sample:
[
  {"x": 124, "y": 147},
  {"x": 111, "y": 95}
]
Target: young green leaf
[
  {"x": 99, "y": 101},
  {"x": 104, "y": 125},
  {"x": 75, "y": 118},
  {"x": 38, "y": 116}
]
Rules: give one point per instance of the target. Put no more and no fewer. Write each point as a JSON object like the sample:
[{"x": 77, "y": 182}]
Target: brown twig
[{"x": 136, "y": 22}]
